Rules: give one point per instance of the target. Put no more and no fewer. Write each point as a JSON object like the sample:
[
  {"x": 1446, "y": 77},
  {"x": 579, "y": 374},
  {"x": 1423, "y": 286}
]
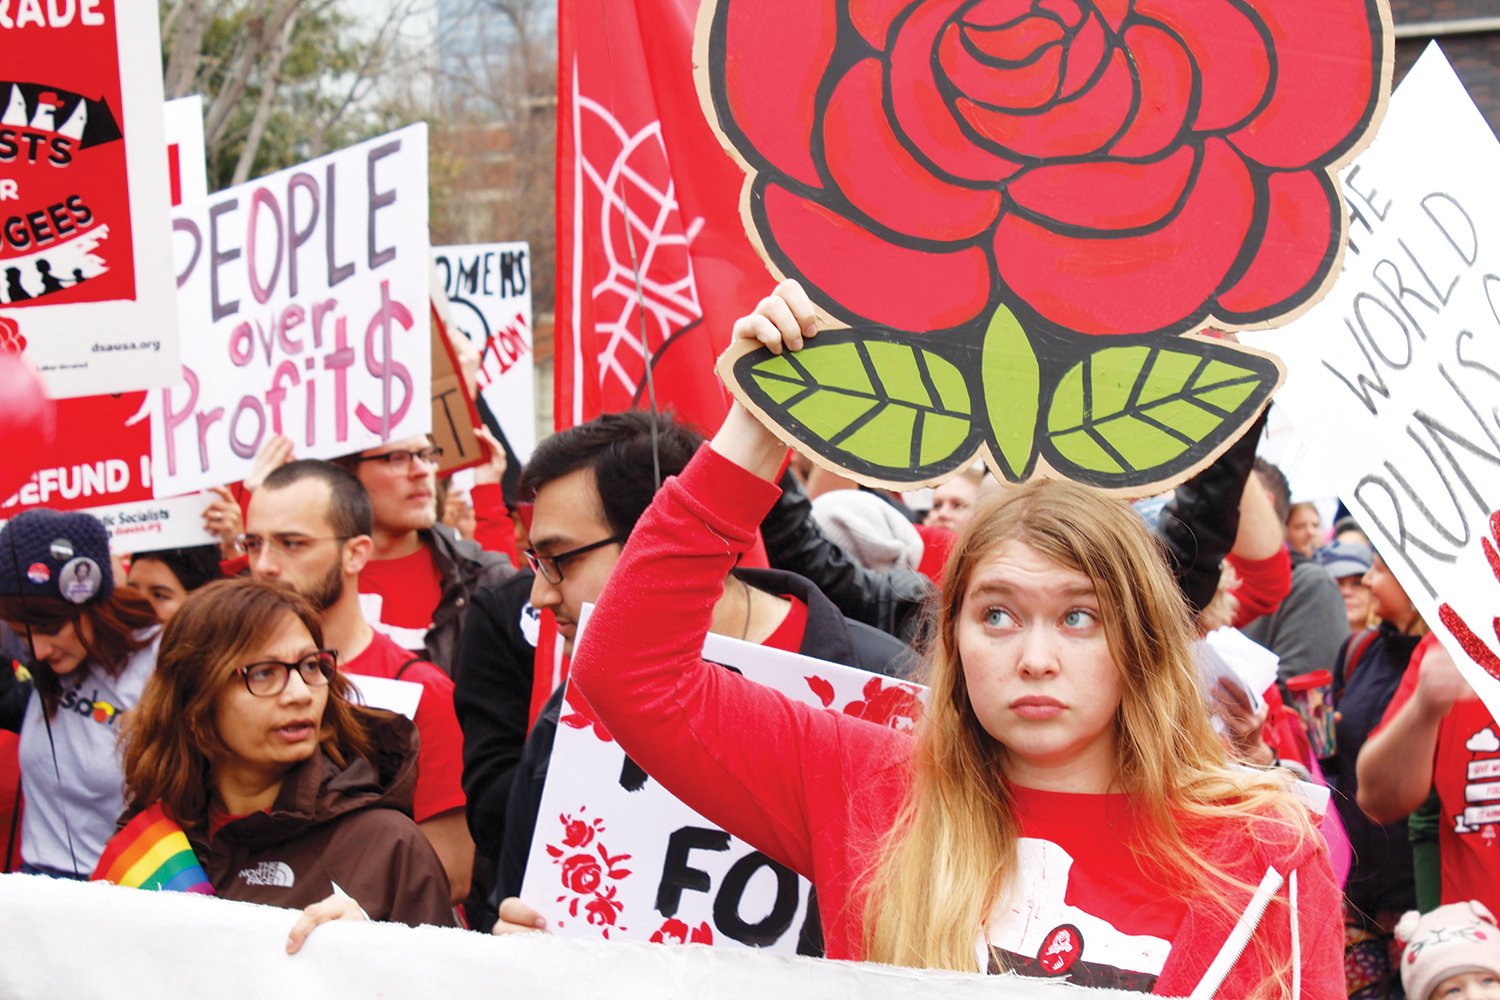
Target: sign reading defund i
[
  {"x": 1393, "y": 378},
  {"x": 304, "y": 301}
]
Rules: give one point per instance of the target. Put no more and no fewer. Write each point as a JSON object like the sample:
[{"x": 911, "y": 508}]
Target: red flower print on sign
[
  {"x": 895, "y": 706},
  {"x": 582, "y": 716},
  {"x": 674, "y": 931},
  {"x": 588, "y": 876}
]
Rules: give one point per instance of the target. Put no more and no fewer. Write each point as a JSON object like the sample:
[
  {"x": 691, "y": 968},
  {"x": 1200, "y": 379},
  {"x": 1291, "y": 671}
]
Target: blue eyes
[{"x": 1077, "y": 618}]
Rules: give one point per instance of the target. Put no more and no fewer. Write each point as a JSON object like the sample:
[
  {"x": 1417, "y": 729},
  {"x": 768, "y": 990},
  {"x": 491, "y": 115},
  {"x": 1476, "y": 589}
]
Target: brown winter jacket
[{"x": 351, "y": 826}]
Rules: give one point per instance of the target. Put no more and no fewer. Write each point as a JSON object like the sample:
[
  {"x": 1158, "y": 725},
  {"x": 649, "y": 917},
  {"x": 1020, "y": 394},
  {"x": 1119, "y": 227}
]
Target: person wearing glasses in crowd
[
  {"x": 92, "y": 646},
  {"x": 591, "y": 484},
  {"x": 309, "y": 527},
  {"x": 289, "y": 794},
  {"x": 424, "y": 573}
]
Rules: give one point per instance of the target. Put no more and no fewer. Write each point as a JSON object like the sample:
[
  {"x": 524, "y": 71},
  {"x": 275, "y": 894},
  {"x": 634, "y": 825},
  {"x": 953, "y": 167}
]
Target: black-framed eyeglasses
[
  {"x": 403, "y": 457},
  {"x": 550, "y": 568},
  {"x": 283, "y": 545},
  {"x": 268, "y": 678}
]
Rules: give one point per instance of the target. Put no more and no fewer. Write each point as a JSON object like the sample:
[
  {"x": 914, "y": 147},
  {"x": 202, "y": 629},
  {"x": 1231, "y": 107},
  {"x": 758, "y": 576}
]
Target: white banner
[
  {"x": 1392, "y": 378},
  {"x": 176, "y": 946},
  {"x": 616, "y": 856},
  {"x": 304, "y": 297},
  {"x": 489, "y": 293},
  {"x": 156, "y": 524}
]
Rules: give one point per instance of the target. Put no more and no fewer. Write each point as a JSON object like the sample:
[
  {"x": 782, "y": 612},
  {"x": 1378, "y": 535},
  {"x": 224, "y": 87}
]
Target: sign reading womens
[
  {"x": 85, "y": 268},
  {"x": 489, "y": 299},
  {"x": 616, "y": 856},
  {"x": 1393, "y": 377},
  {"x": 305, "y": 294}
]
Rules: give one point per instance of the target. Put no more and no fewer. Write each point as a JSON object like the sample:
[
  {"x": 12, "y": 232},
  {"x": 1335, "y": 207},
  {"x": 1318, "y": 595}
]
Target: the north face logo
[{"x": 269, "y": 873}]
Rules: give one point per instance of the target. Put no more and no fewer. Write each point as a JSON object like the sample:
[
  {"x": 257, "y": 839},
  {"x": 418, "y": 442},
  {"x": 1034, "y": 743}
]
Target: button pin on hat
[
  {"x": 80, "y": 580},
  {"x": 61, "y": 549}
]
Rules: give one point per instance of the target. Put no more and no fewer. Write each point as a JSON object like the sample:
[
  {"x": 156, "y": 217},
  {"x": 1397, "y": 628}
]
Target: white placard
[
  {"x": 1392, "y": 379},
  {"x": 401, "y": 697},
  {"x": 171, "y": 945},
  {"x": 186, "y": 153},
  {"x": 305, "y": 297},
  {"x": 147, "y": 525},
  {"x": 616, "y": 856},
  {"x": 489, "y": 293}
]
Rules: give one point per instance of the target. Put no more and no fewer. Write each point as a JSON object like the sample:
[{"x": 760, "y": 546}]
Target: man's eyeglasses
[
  {"x": 283, "y": 545},
  {"x": 268, "y": 678},
  {"x": 402, "y": 458},
  {"x": 550, "y": 568}
]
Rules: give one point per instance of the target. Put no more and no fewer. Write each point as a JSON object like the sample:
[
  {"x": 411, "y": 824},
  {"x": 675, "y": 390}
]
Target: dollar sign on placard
[{"x": 384, "y": 367}]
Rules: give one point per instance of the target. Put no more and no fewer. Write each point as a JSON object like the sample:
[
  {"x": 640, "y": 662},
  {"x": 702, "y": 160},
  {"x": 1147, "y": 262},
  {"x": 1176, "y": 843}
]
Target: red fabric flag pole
[{"x": 653, "y": 262}]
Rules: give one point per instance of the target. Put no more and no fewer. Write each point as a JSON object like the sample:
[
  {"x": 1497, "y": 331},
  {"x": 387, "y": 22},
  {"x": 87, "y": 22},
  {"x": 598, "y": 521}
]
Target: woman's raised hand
[{"x": 785, "y": 318}]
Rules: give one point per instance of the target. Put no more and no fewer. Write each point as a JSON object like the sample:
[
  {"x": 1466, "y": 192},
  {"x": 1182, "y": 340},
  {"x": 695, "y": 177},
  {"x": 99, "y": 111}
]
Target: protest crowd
[{"x": 913, "y": 652}]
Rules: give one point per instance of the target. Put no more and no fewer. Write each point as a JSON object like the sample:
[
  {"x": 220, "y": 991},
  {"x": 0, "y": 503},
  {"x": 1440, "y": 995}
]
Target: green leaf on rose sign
[
  {"x": 876, "y": 403},
  {"x": 1140, "y": 414}
]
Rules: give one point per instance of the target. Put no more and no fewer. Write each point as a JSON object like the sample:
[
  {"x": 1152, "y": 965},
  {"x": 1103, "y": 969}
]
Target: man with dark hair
[
  {"x": 591, "y": 484},
  {"x": 424, "y": 573},
  {"x": 1311, "y": 624},
  {"x": 309, "y": 526}
]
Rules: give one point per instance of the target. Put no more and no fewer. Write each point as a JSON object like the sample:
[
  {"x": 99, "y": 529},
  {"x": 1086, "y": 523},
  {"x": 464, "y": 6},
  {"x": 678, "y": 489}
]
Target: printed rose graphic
[
  {"x": 896, "y": 706},
  {"x": 675, "y": 931},
  {"x": 603, "y": 910},
  {"x": 1026, "y": 177},
  {"x": 581, "y": 873}
]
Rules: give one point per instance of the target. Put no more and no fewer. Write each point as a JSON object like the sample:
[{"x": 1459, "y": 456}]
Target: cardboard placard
[
  {"x": 1393, "y": 376},
  {"x": 453, "y": 415},
  {"x": 306, "y": 294},
  {"x": 1024, "y": 226},
  {"x": 86, "y": 289}
]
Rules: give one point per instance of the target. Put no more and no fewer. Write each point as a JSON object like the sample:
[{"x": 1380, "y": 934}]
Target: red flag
[{"x": 650, "y": 246}]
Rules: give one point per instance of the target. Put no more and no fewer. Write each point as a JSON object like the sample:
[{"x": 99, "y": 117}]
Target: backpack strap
[
  {"x": 402, "y": 669},
  {"x": 1355, "y": 649}
]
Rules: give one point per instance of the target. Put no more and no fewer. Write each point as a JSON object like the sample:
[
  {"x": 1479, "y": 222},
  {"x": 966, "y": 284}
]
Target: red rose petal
[
  {"x": 1295, "y": 250},
  {"x": 873, "y": 18},
  {"x": 1166, "y": 81},
  {"x": 1108, "y": 194},
  {"x": 1136, "y": 284},
  {"x": 1230, "y": 53},
  {"x": 1114, "y": 12},
  {"x": 1069, "y": 10},
  {"x": 925, "y": 121},
  {"x": 870, "y": 278},
  {"x": 1032, "y": 85},
  {"x": 778, "y": 53},
  {"x": 1083, "y": 125},
  {"x": 1084, "y": 56},
  {"x": 871, "y": 167},
  {"x": 1015, "y": 43},
  {"x": 1325, "y": 81}
]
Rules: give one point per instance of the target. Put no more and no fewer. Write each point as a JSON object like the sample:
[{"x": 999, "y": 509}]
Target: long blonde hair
[{"x": 952, "y": 851}]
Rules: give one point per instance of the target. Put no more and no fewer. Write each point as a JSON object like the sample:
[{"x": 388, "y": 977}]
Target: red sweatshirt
[{"x": 818, "y": 790}]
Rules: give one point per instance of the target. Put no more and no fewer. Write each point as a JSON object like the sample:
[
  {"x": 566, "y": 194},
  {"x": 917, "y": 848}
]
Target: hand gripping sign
[{"x": 1028, "y": 213}]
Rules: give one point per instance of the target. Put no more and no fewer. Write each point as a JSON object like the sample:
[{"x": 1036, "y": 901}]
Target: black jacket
[
  {"x": 891, "y": 601},
  {"x": 464, "y": 567},
  {"x": 492, "y": 697},
  {"x": 828, "y": 636}
]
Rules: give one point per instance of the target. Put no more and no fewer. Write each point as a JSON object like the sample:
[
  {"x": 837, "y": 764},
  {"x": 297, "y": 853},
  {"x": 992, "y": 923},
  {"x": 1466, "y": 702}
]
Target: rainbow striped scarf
[{"x": 152, "y": 852}]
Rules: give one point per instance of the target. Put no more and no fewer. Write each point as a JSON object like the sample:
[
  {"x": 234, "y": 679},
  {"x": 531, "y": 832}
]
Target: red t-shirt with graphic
[
  {"x": 409, "y": 588},
  {"x": 1466, "y": 774},
  {"x": 440, "y": 755},
  {"x": 1077, "y": 889}
]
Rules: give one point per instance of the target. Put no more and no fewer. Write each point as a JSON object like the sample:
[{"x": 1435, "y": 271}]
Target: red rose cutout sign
[{"x": 1028, "y": 212}]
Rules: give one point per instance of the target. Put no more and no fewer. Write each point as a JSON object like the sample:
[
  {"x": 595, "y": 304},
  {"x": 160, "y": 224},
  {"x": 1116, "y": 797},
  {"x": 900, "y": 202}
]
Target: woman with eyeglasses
[
  {"x": 91, "y": 647},
  {"x": 289, "y": 794}
]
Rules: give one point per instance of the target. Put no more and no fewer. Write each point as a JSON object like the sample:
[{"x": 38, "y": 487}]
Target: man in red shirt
[
  {"x": 425, "y": 574},
  {"x": 309, "y": 526},
  {"x": 1437, "y": 735}
]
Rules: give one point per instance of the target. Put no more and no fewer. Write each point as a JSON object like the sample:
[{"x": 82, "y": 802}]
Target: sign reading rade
[
  {"x": 616, "y": 856},
  {"x": 305, "y": 294},
  {"x": 85, "y": 263},
  {"x": 1393, "y": 377}
]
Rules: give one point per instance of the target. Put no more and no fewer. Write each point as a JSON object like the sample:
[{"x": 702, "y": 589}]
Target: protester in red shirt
[
  {"x": 1436, "y": 735},
  {"x": 1065, "y": 807},
  {"x": 309, "y": 527}
]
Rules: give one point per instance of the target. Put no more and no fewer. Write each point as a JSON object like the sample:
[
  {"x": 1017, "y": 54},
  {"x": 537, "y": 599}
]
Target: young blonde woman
[{"x": 1065, "y": 808}]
